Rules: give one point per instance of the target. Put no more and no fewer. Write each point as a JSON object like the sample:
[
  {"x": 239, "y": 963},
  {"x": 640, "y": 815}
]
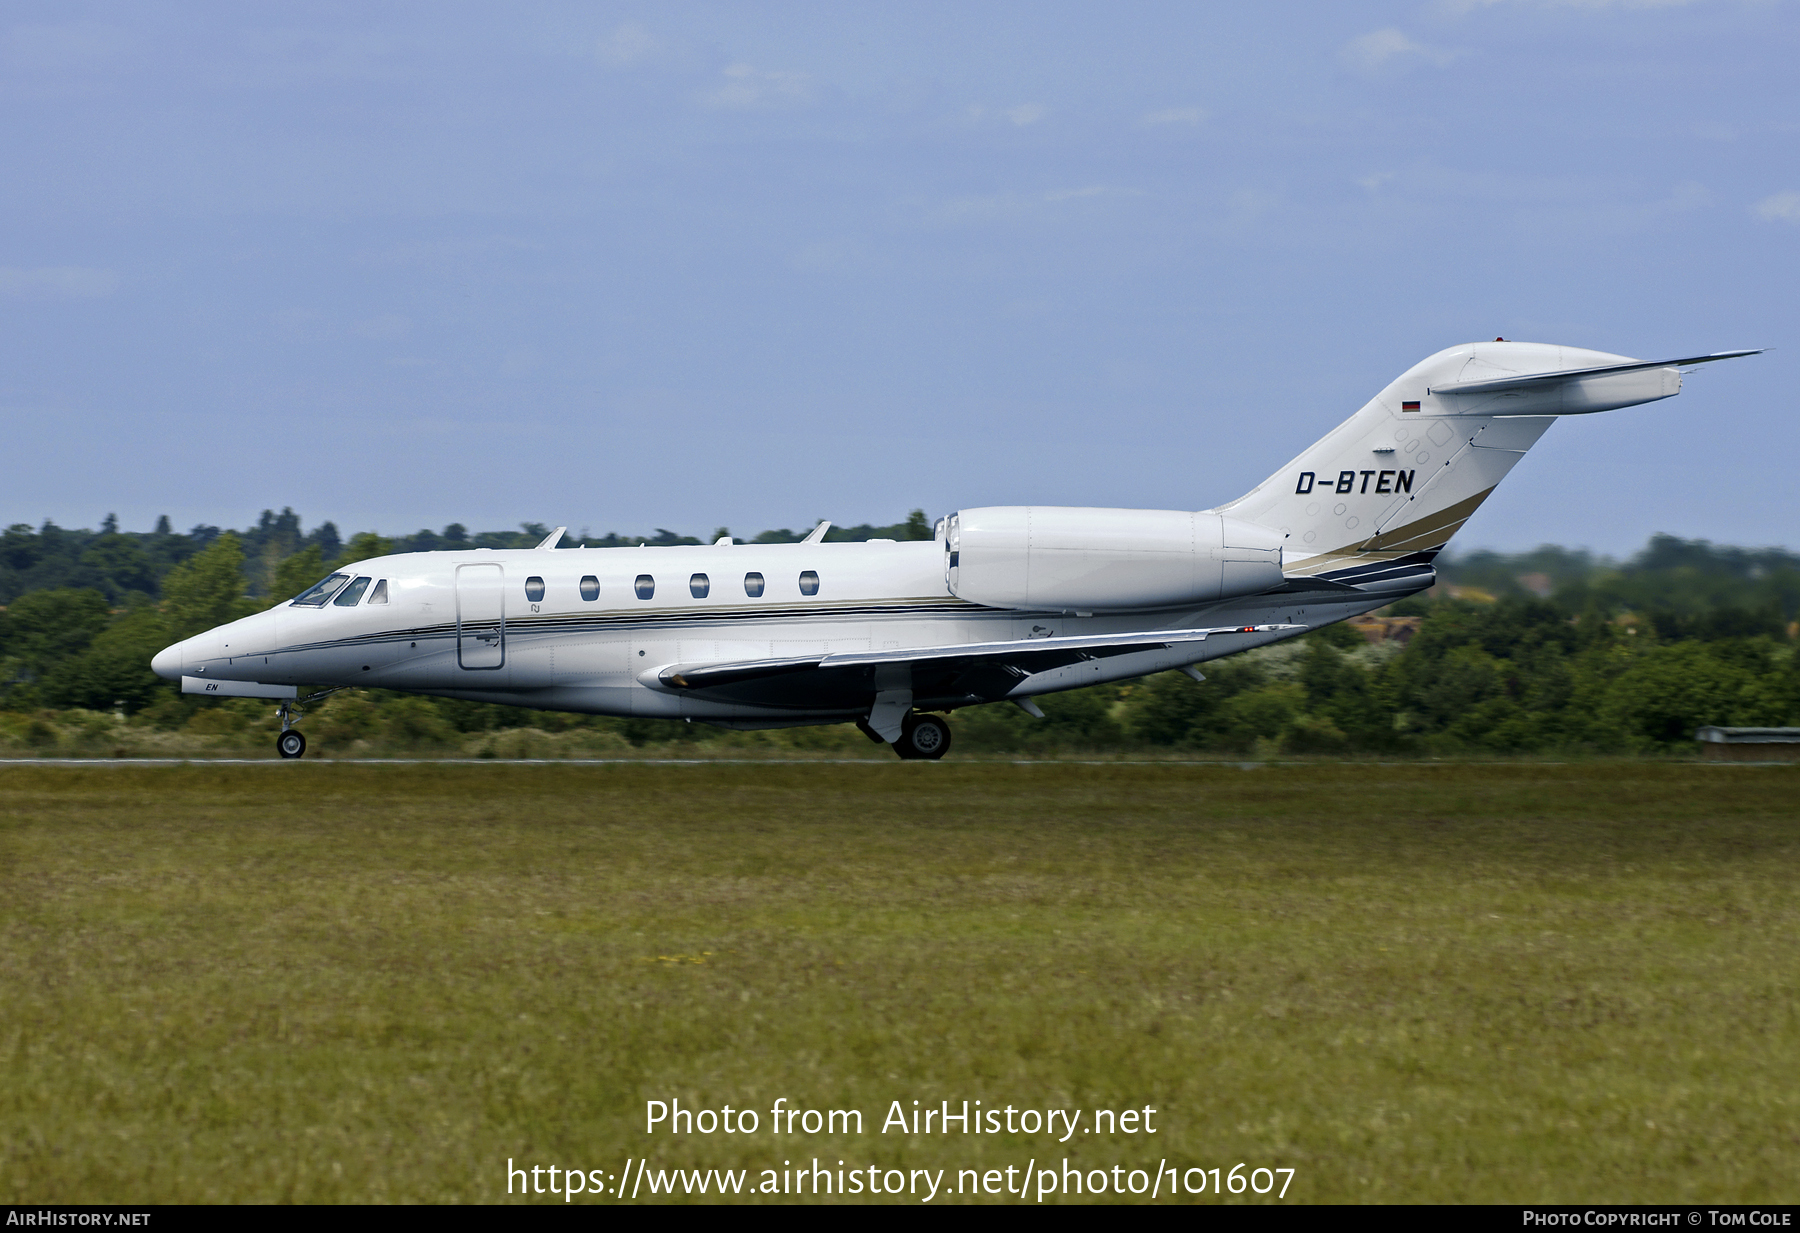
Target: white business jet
[{"x": 1004, "y": 604}]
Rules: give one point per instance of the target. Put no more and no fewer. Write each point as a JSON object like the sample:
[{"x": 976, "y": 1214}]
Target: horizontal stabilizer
[
  {"x": 1571, "y": 374},
  {"x": 707, "y": 676}
]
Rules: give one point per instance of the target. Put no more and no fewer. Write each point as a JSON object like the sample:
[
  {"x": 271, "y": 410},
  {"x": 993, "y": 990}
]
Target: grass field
[{"x": 1406, "y": 982}]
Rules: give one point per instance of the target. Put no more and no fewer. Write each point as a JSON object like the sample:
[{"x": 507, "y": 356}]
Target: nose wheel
[{"x": 290, "y": 743}]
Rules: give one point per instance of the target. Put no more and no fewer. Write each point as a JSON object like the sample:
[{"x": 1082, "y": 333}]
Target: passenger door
[{"x": 480, "y": 617}]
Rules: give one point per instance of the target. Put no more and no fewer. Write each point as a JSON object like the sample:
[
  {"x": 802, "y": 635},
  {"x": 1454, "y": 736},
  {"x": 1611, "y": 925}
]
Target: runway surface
[{"x": 871, "y": 761}]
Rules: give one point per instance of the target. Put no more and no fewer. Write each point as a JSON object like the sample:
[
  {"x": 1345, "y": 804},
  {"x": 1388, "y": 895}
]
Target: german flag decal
[{"x": 1409, "y": 406}]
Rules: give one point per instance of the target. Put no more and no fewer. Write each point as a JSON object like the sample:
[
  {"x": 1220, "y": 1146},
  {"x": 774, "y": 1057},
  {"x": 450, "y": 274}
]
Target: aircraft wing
[{"x": 966, "y": 672}]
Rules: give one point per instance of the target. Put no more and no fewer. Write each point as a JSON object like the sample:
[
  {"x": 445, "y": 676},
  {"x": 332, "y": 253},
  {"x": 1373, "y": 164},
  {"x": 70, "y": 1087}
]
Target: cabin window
[
  {"x": 534, "y": 588},
  {"x": 351, "y": 594},
  {"x": 753, "y": 585},
  {"x": 699, "y": 585},
  {"x": 645, "y": 585},
  {"x": 590, "y": 588},
  {"x": 379, "y": 594},
  {"x": 316, "y": 595},
  {"x": 809, "y": 582}
]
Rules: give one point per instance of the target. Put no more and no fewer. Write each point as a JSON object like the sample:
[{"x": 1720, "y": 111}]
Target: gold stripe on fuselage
[{"x": 1432, "y": 531}]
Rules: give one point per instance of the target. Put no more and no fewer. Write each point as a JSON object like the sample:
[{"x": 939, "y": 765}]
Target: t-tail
[{"x": 1373, "y": 503}]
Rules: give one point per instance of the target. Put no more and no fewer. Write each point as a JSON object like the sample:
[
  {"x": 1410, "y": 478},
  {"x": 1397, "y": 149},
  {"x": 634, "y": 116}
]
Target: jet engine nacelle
[{"x": 1094, "y": 560}]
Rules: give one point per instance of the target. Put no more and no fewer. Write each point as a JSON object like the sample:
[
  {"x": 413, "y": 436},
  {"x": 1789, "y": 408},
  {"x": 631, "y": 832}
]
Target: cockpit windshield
[{"x": 318, "y": 595}]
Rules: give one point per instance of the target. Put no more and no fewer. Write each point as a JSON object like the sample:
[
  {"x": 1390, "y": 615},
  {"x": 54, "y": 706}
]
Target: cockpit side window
[
  {"x": 319, "y": 593},
  {"x": 379, "y": 594},
  {"x": 351, "y": 594}
]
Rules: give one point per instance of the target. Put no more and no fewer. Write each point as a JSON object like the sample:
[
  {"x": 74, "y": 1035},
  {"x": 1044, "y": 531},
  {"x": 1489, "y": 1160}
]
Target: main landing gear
[{"x": 923, "y": 737}]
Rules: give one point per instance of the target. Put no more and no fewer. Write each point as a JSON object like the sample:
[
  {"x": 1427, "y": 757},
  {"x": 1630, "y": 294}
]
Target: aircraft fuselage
[{"x": 592, "y": 629}]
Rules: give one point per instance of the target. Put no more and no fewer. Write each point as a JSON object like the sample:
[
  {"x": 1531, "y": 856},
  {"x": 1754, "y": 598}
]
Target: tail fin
[{"x": 1374, "y": 501}]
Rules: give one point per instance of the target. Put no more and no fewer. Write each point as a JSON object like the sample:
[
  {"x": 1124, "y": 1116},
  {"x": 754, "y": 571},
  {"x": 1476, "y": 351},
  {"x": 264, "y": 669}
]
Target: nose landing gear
[{"x": 291, "y": 742}]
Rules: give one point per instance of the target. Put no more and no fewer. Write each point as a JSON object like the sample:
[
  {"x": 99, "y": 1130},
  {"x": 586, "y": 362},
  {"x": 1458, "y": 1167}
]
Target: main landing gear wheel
[
  {"x": 923, "y": 737},
  {"x": 290, "y": 744}
]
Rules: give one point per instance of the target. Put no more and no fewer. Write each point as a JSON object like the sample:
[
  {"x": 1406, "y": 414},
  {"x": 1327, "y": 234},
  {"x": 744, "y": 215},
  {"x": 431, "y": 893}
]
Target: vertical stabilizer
[{"x": 1374, "y": 501}]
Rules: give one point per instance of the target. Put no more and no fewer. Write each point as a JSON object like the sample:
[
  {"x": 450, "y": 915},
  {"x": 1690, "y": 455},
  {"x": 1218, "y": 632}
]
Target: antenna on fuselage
[
  {"x": 552, "y": 539},
  {"x": 818, "y": 533}
]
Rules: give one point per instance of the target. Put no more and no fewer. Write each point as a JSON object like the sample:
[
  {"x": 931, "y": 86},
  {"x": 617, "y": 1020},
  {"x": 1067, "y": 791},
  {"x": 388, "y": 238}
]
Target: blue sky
[{"x": 691, "y": 265}]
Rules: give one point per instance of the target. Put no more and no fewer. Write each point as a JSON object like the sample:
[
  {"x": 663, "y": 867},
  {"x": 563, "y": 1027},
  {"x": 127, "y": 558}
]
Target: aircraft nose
[{"x": 167, "y": 663}]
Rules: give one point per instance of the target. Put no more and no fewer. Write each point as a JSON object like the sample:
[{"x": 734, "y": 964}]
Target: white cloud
[
  {"x": 1460, "y": 8},
  {"x": 1012, "y": 207},
  {"x": 388, "y": 325},
  {"x": 300, "y": 324},
  {"x": 60, "y": 48},
  {"x": 1782, "y": 207},
  {"x": 746, "y": 87},
  {"x": 1713, "y": 132},
  {"x": 980, "y": 209},
  {"x": 625, "y": 45},
  {"x": 1687, "y": 195},
  {"x": 1021, "y": 115},
  {"x": 520, "y": 360},
  {"x": 1176, "y": 115},
  {"x": 64, "y": 282},
  {"x": 839, "y": 256},
  {"x": 450, "y": 252},
  {"x": 1382, "y": 49},
  {"x": 1250, "y": 204},
  {"x": 1092, "y": 190},
  {"x": 1030, "y": 309}
]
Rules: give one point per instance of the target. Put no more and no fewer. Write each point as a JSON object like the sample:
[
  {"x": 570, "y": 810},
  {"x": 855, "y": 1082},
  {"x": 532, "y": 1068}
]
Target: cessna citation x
[{"x": 1004, "y": 604}]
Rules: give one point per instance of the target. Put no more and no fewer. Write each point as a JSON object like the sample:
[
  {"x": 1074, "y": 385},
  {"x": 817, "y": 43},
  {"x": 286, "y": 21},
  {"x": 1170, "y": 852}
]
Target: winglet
[
  {"x": 552, "y": 539},
  {"x": 817, "y": 536}
]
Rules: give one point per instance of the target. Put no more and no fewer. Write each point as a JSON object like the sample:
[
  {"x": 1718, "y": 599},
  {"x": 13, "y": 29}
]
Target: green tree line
[{"x": 122, "y": 565}]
